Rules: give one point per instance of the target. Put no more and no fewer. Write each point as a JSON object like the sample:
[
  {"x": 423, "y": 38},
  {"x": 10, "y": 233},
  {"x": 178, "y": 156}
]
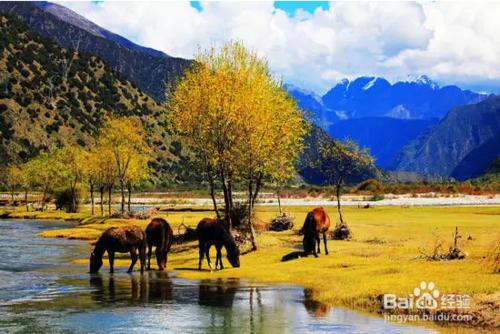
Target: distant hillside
[
  {"x": 478, "y": 162},
  {"x": 148, "y": 69},
  {"x": 379, "y": 115},
  {"x": 384, "y": 136},
  {"x": 313, "y": 175},
  {"x": 463, "y": 143},
  {"x": 52, "y": 96},
  {"x": 312, "y": 104}
]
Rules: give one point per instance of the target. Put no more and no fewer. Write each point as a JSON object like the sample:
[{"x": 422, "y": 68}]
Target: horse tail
[
  {"x": 170, "y": 237},
  {"x": 145, "y": 240},
  {"x": 163, "y": 238}
]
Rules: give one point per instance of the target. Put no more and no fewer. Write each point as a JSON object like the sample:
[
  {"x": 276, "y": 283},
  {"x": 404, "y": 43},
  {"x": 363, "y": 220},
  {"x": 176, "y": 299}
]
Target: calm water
[{"x": 41, "y": 292}]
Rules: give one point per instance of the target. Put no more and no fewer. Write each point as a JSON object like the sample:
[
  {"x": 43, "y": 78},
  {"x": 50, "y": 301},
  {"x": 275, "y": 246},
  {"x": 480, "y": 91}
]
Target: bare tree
[{"x": 67, "y": 62}]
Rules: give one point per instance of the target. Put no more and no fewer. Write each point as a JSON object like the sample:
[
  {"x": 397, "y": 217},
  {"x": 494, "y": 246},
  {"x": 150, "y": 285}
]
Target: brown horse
[
  {"x": 159, "y": 234},
  {"x": 212, "y": 232},
  {"x": 317, "y": 222},
  {"x": 122, "y": 240}
]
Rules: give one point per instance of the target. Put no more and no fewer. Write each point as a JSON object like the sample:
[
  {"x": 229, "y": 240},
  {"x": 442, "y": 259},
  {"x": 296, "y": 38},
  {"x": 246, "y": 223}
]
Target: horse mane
[
  {"x": 228, "y": 240},
  {"x": 99, "y": 248}
]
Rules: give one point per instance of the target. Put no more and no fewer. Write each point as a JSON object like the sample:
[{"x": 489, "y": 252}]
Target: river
[{"x": 41, "y": 291}]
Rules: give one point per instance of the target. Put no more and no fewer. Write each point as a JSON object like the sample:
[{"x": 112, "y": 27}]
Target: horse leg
[
  {"x": 324, "y": 241},
  {"x": 314, "y": 246},
  {"x": 142, "y": 258},
  {"x": 111, "y": 256},
  {"x": 150, "y": 251},
  {"x": 318, "y": 242},
  {"x": 165, "y": 259},
  {"x": 207, "y": 254},
  {"x": 201, "y": 250},
  {"x": 133, "y": 255},
  {"x": 158, "y": 258},
  {"x": 219, "y": 257}
]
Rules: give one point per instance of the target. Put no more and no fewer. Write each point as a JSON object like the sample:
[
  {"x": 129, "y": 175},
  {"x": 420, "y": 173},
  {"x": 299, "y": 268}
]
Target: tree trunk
[
  {"x": 338, "y": 187},
  {"x": 230, "y": 192},
  {"x": 250, "y": 207},
  {"x": 109, "y": 200},
  {"x": 227, "y": 202},
  {"x": 73, "y": 198},
  {"x": 43, "y": 200},
  {"x": 212, "y": 194},
  {"x": 122, "y": 191},
  {"x": 92, "y": 198},
  {"x": 257, "y": 189},
  {"x": 279, "y": 200},
  {"x": 129, "y": 189},
  {"x": 12, "y": 196},
  {"x": 101, "y": 191},
  {"x": 26, "y": 199}
]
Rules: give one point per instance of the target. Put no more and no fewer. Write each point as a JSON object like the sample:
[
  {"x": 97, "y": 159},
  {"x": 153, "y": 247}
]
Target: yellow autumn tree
[
  {"x": 137, "y": 172},
  {"x": 12, "y": 178},
  {"x": 43, "y": 172},
  {"x": 240, "y": 124},
  {"x": 124, "y": 138}
]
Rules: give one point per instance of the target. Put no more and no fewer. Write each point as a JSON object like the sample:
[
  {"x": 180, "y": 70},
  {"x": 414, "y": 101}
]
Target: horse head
[
  {"x": 95, "y": 263},
  {"x": 233, "y": 252}
]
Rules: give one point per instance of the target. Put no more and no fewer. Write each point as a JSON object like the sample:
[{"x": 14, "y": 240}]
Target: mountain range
[
  {"x": 419, "y": 98},
  {"x": 413, "y": 125}
]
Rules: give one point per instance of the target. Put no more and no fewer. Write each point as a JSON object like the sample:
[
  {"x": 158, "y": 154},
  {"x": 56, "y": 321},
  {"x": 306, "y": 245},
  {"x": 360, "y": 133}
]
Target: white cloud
[{"x": 450, "y": 42}]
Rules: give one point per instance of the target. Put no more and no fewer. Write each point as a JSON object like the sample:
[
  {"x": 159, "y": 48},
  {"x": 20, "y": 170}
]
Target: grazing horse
[
  {"x": 122, "y": 240},
  {"x": 212, "y": 232},
  {"x": 317, "y": 221},
  {"x": 159, "y": 234}
]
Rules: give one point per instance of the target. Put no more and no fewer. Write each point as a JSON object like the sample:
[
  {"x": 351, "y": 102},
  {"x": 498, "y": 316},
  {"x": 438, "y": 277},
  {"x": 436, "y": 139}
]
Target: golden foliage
[{"x": 236, "y": 117}]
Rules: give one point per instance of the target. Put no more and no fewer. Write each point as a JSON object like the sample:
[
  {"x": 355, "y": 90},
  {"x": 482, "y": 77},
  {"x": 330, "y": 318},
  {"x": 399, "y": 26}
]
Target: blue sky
[
  {"x": 288, "y": 6},
  {"x": 314, "y": 45},
  {"x": 309, "y": 6}
]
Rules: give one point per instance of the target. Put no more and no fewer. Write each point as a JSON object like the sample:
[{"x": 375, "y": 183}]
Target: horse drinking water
[
  {"x": 122, "y": 240},
  {"x": 159, "y": 234},
  {"x": 212, "y": 232}
]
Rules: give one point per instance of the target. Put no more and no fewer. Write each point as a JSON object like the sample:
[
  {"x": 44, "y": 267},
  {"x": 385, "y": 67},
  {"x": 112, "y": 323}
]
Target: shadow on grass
[{"x": 192, "y": 269}]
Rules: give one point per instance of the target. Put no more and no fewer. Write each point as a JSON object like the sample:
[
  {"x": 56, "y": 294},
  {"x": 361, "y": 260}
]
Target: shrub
[
  {"x": 371, "y": 185},
  {"x": 377, "y": 197},
  {"x": 67, "y": 200}
]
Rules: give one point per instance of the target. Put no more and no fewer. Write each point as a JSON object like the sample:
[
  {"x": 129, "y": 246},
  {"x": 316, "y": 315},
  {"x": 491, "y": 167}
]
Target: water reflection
[
  {"x": 217, "y": 293},
  {"x": 152, "y": 287},
  {"x": 314, "y": 308}
]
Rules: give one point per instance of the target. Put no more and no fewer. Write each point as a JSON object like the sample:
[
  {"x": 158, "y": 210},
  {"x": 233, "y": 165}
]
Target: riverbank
[
  {"x": 383, "y": 256},
  {"x": 21, "y": 213}
]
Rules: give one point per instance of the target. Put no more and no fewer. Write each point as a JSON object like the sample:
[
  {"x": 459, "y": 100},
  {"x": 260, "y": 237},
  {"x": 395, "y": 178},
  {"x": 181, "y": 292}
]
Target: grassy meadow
[{"x": 383, "y": 257}]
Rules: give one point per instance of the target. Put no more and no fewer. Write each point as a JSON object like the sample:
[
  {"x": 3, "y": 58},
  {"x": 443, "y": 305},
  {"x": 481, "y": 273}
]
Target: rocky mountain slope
[
  {"x": 148, "y": 69},
  {"x": 385, "y": 136},
  {"x": 50, "y": 95},
  {"x": 465, "y": 142}
]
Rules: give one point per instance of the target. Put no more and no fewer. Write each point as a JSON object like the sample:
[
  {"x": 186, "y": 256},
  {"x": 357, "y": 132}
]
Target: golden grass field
[{"x": 383, "y": 256}]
